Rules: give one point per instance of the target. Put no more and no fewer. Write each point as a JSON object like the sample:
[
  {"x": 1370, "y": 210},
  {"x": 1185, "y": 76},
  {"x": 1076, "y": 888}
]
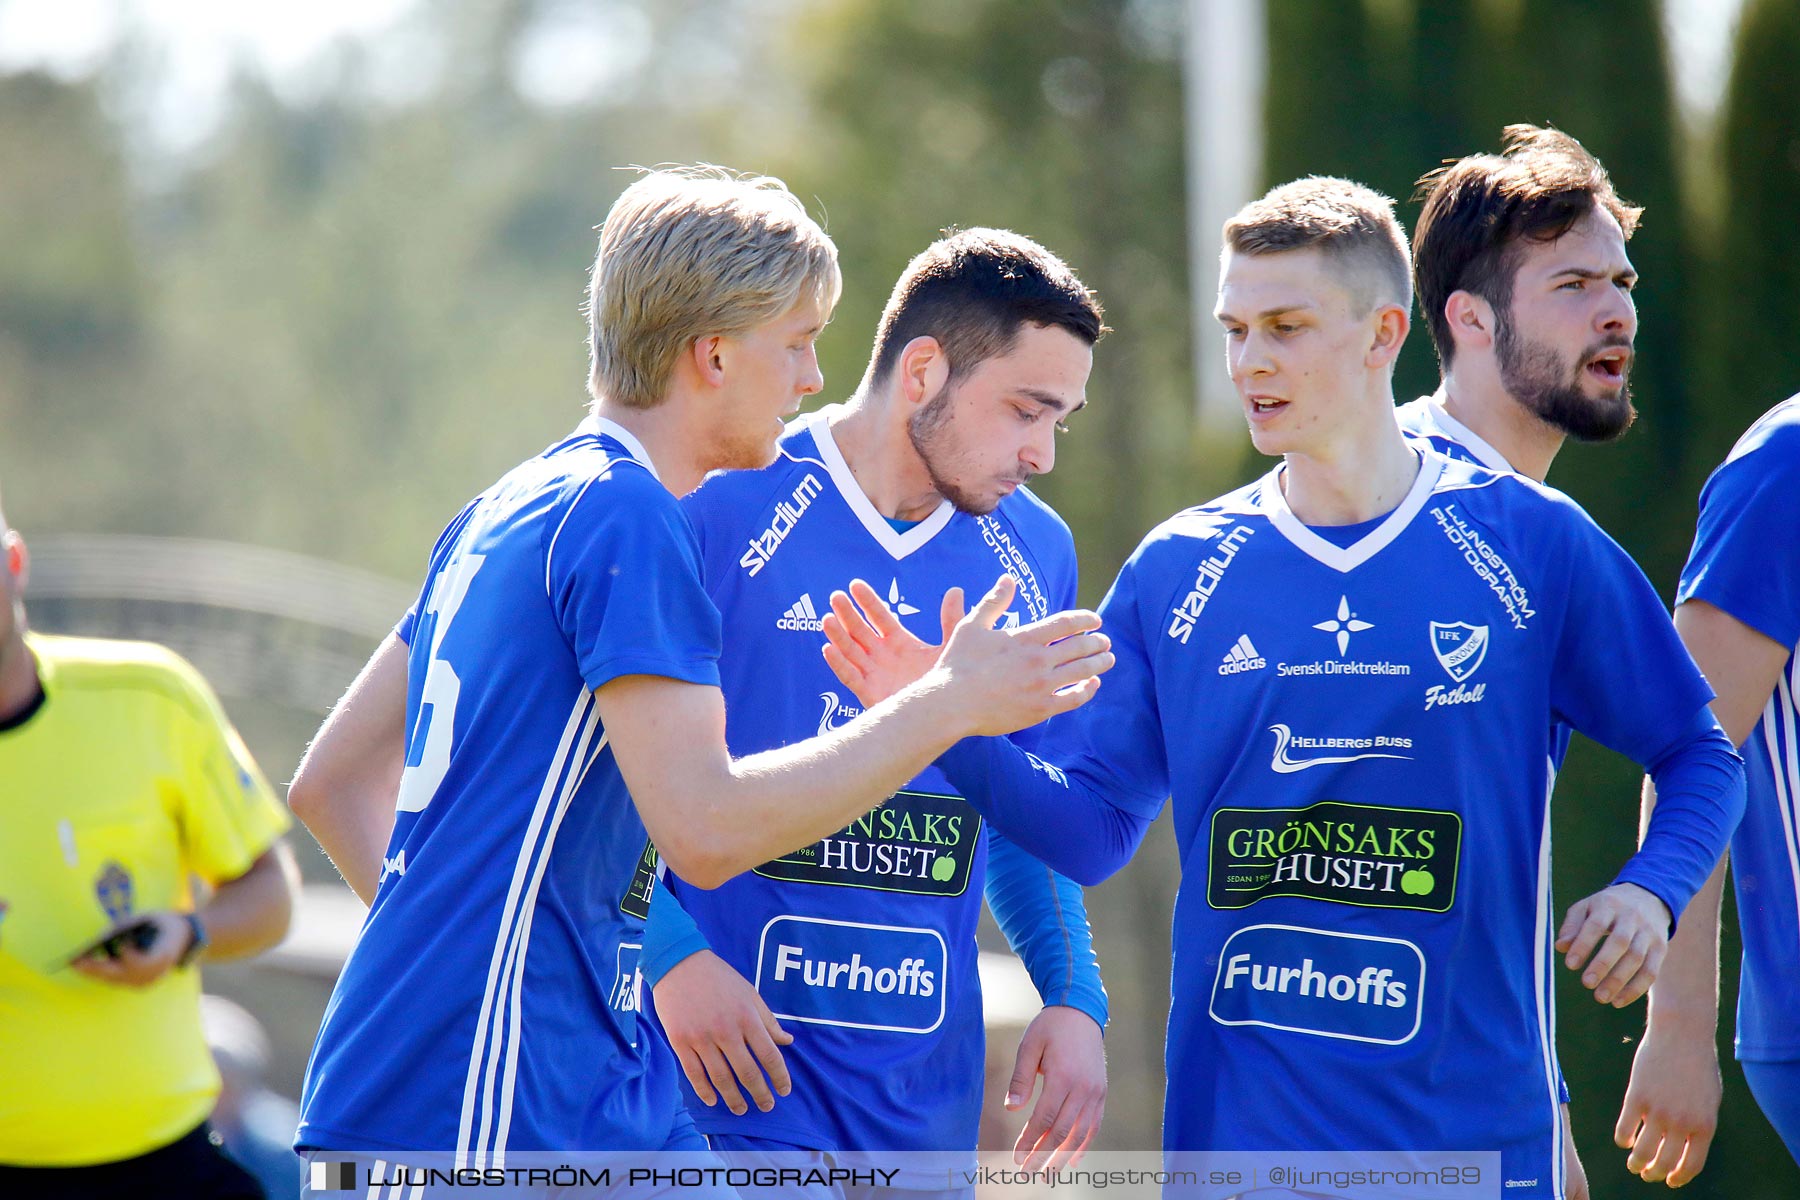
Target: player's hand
[
  {"x": 871, "y": 652},
  {"x": 1573, "y": 1171},
  {"x": 1630, "y": 928},
  {"x": 141, "y": 959},
  {"x": 998, "y": 681},
  {"x": 723, "y": 1033},
  {"x": 1064, "y": 1046},
  {"x": 1671, "y": 1105}
]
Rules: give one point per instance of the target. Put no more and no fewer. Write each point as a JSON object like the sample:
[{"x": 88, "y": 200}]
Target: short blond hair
[
  {"x": 1353, "y": 225},
  {"x": 690, "y": 251}
]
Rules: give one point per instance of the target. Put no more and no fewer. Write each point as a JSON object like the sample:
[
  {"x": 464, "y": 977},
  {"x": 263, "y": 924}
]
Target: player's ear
[
  {"x": 922, "y": 371},
  {"x": 1471, "y": 320},
  {"x": 1391, "y": 323},
  {"x": 707, "y": 355}
]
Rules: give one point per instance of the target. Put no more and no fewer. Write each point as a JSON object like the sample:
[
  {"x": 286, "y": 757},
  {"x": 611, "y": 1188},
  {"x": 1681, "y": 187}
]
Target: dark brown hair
[
  {"x": 972, "y": 289},
  {"x": 1478, "y": 209}
]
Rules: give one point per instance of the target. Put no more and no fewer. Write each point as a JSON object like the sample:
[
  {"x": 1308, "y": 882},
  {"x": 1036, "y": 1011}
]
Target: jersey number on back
[{"x": 436, "y": 724}]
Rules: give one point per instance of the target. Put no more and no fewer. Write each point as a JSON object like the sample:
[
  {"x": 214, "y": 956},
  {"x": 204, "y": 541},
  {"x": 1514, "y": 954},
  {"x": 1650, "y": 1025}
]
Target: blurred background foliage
[{"x": 350, "y": 306}]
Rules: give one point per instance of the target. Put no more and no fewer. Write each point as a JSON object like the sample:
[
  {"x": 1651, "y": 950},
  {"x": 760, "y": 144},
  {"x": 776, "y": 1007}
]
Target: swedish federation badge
[{"x": 113, "y": 889}]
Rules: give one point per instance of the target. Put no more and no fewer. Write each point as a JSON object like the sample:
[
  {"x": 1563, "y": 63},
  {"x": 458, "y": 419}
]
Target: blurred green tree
[{"x": 1753, "y": 357}]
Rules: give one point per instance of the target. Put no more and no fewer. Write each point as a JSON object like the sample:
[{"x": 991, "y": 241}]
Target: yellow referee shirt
[{"x": 128, "y": 781}]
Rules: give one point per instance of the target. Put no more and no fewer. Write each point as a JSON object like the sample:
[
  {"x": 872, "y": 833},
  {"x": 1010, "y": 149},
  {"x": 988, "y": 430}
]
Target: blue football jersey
[
  {"x": 1356, "y": 744},
  {"x": 491, "y": 1002},
  {"x": 863, "y": 943},
  {"x": 1746, "y": 561},
  {"x": 1427, "y": 418}
]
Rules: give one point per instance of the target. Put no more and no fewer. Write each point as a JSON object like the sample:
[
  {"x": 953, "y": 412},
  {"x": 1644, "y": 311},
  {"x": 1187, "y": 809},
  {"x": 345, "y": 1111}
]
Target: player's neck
[
  {"x": 1478, "y": 399},
  {"x": 871, "y": 434},
  {"x": 18, "y": 675},
  {"x": 676, "y": 450},
  {"x": 1358, "y": 476}
]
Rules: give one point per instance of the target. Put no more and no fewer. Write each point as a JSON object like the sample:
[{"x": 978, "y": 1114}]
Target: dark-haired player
[{"x": 864, "y": 942}]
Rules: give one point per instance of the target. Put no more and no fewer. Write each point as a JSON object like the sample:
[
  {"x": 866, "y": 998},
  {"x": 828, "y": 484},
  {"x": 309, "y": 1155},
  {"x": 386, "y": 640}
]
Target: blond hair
[
  {"x": 690, "y": 251},
  {"x": 1353, "y": 225}
]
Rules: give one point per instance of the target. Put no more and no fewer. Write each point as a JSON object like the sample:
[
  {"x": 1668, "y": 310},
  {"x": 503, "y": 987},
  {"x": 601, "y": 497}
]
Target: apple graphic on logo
[
  {"x": 1417, "y": 883},
  {"x": 943, "y": 868}
]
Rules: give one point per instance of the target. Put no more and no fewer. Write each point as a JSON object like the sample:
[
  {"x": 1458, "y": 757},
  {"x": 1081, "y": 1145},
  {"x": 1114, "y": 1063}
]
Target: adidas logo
[
  {"x": 801, "y": 617},
  {"x": 1243, "y": 657}
]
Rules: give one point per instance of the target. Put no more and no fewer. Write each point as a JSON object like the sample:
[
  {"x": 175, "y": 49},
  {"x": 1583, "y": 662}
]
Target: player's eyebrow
[
  {"x": 1592, "y": 273},
  {"x": 1050, "y": 401},
  {"x": 1222, "y": 316}
]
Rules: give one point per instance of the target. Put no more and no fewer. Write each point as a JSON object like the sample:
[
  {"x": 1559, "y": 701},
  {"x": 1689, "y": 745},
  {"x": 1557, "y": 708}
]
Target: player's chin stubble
[
  {"x": 931, "y": 439},
  {"x": 1540, "y": 380}
]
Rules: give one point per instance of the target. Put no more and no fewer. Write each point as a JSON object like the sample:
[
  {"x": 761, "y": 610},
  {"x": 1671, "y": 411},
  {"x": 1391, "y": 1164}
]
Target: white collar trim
[
  {"x": 1456, "y": 431},
  {"x": 898, "y": 544},
  {"x": 1345, "y": 559},
  {"x": 624, "y": 436}
]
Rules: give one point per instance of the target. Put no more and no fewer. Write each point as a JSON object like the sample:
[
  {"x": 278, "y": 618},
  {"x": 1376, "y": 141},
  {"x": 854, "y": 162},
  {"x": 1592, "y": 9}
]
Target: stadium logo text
[
  {"x": 763, "y": 546},
  {"x": 1206, "y": 580}
]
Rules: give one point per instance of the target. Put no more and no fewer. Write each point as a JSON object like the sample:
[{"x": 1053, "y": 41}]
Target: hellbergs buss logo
[
  {"x": 1315, "y": 981},
  {"x": 851, "y": 974},
  {"x": 1284, "y": 763},
  {"x": 835, "y": 713}
]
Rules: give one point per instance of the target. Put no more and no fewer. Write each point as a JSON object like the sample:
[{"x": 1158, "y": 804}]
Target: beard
[
  {"x": 929, "y": 431},
  {"x": 1550, "y": 388}
]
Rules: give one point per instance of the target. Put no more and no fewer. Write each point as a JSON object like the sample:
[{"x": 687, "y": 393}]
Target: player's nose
[
  {"x": 1038, "y": 455},
  {"x": 1618, "y": 315},
  {"x": 812, "y": 379}
]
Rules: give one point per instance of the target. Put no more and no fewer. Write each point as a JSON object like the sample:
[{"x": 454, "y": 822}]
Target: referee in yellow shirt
[{"x": 121, "y": 783}]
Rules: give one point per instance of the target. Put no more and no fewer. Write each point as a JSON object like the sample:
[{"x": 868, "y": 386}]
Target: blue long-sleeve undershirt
[
  {"x": 1056, "y": 815},
  {"x": 1699, "y": 801}
]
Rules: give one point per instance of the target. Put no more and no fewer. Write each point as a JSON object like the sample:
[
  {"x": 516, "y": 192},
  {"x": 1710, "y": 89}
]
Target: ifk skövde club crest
[{"x": 1459, "y": 647}]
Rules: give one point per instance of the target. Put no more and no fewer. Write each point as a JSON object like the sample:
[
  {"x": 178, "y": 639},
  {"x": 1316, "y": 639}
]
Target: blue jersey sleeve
[
  {"x": 670, "y": 934},
  {"x": 1746, "y": 556},
  {"x": 1622, "y": 676},
  {"x": 623, "y": 573},
  {"x": 410, "y": 621},
  {"x": 1086, "y": 814},
  {"x": 1042, "y": 913}
]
